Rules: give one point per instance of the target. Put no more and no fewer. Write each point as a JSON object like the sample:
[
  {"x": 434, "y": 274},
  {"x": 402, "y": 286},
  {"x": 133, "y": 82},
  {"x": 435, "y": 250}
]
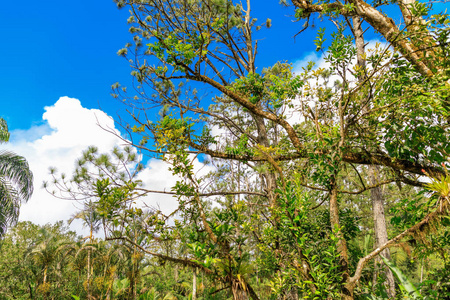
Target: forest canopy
[{"x": 328, "y": 183}]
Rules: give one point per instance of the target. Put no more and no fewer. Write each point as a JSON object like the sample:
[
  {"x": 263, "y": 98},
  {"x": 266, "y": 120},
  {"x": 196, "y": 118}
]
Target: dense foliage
[{"x": 327, "y": 184}]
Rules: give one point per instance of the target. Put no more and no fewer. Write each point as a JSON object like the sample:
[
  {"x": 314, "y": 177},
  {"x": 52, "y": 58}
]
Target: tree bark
[
  {"x": 88, "y": 283},
  {"x": 194, "y": 285},
  {"x": 346, "y": 293},
  {"x": 376, "y": 195},
  {"x": 379, "y": 221},
  {"x": 380, "y": 22}
]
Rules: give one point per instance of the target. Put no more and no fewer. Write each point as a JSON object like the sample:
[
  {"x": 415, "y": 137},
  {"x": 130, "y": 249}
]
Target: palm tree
[
  {"x": 91, "y": 219},
  {"x": 46, "y": 253},
  {"x": 16, "y": 182}
]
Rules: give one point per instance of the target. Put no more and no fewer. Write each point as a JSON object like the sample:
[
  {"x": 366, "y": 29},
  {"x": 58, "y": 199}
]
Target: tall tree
[
  {"x": 16, "y": 182},
  {"x": 92, "y": 220},
  {"x": 376, "y": 194},
  {"x": 280, "y": 205},
  {"x": 345, "y": 124}
]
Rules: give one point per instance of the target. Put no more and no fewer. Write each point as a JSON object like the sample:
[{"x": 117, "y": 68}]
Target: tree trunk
[
  {"x": 376, "y": 195},
  {"x": 44, "y": 283},
  {"x": 88, "y": 288},
  {"x": 379, "y": 221},
  {"x": 346, "y": 293},
  {"x": 175, "y": 273},
  {"x": 45, "y": 275},
  {"x": 194, "y": 285}
]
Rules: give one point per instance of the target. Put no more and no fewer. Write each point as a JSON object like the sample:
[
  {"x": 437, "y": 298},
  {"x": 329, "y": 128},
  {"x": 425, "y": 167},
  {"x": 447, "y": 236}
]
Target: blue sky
[
  {"x": 68, "y": 48},
  {"x": 52, "y": 49},
  {"x": 57, "y": 48}
]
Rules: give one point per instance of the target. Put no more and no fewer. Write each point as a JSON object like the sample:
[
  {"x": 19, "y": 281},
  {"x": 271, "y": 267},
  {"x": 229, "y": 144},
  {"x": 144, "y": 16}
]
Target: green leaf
[
  {"x": 4, "y": 133},
  {"x": 404, "y": 283}
]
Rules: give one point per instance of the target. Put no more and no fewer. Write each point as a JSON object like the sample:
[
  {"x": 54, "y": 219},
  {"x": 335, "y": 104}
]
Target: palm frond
[
  {"x": 4, "y": 132},
  {"x": 9, "y": 205},
  {"x": 16, "y": 170}
]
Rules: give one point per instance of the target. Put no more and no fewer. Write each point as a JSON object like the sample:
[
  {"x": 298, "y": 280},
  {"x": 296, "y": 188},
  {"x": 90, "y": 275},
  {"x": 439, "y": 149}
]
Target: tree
[
  {"x": 30, "y": 253},
  {"x": 16, "y": 182},
  {"x": 198, "y": 40},
  {"x": 91, "y": 220},
  {"x": 17, "y": 272},
  {"x": 376, "y": 194},
  {"x": 420, "y": 39},
  {"x": 45, "y": 253},
  {"x": 260, "y": 219}
]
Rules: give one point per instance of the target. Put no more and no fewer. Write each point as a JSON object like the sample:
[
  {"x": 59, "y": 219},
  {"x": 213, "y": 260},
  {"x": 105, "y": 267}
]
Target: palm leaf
[
  {"x": 404, "y": 282},
  {"x": 9, "y": 205},
  {"x": 17, "y": 171},
  {"x": 4, "y": 133},
  {"x": 16, "y": 186}
]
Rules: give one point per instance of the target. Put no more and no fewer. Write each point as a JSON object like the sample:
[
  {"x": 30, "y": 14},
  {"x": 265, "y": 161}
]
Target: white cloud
[
  {"x": 68, "y": 129},
  {"x": 157, "y": 177},
  {"x": 319, "y": 60},
  {"x": 294, "y": 115}
]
